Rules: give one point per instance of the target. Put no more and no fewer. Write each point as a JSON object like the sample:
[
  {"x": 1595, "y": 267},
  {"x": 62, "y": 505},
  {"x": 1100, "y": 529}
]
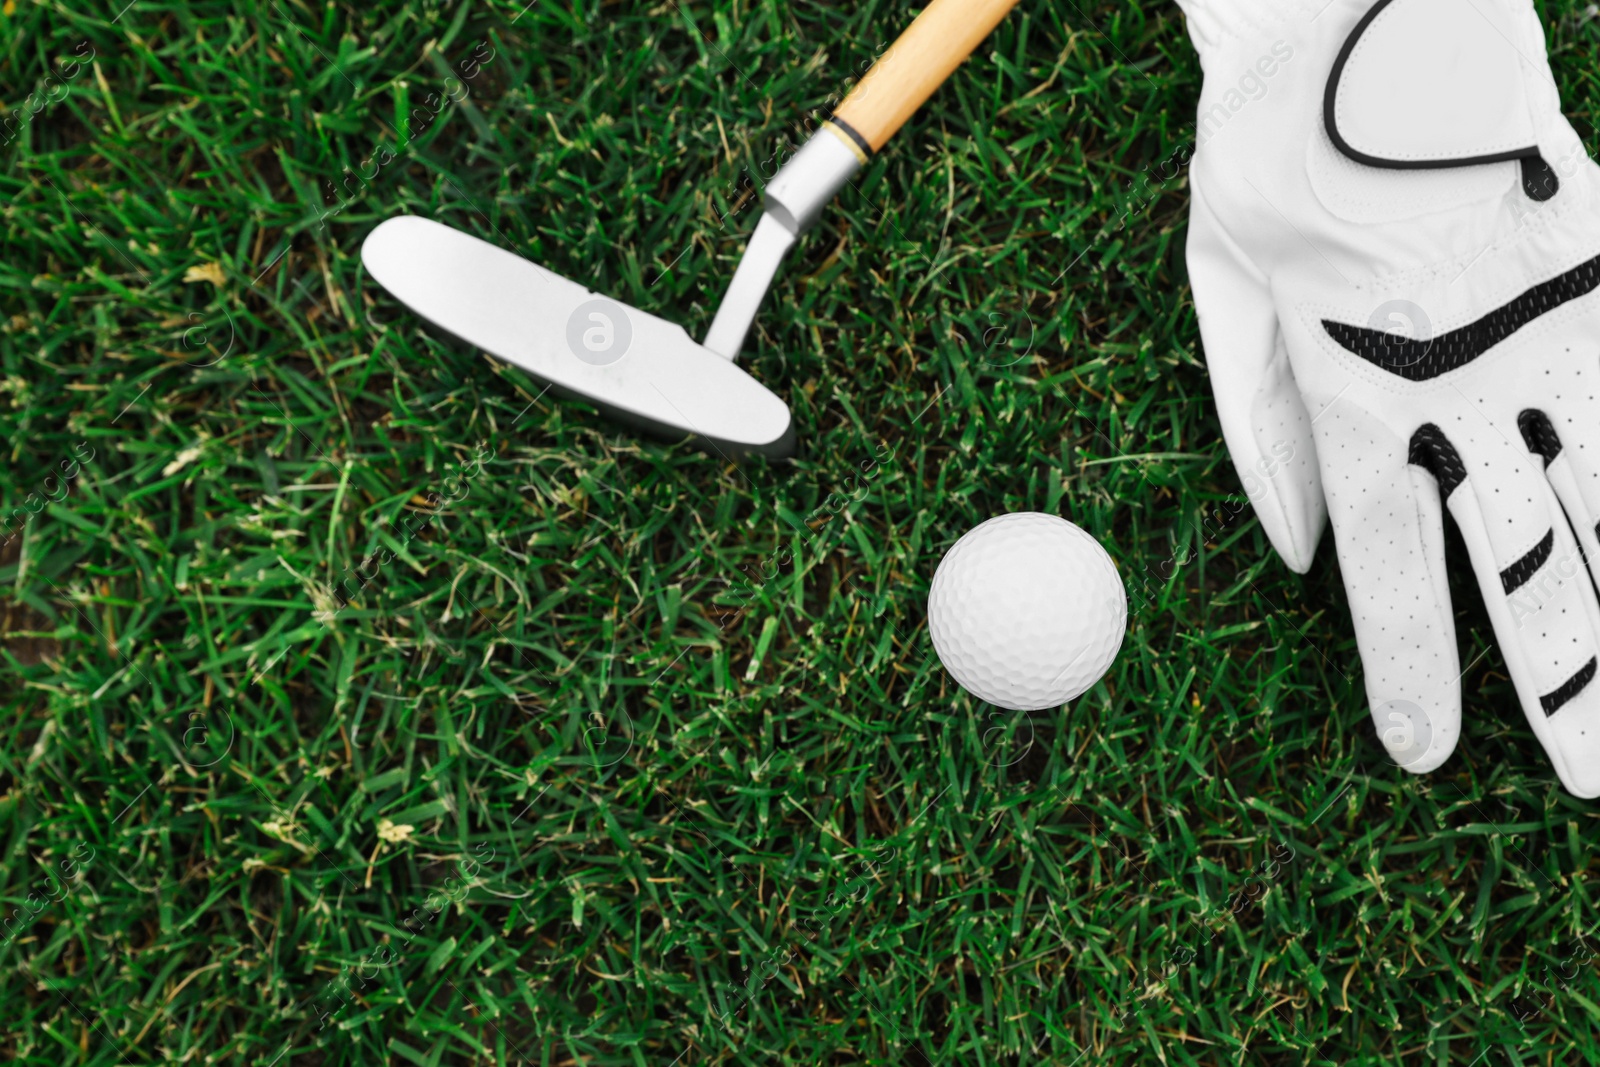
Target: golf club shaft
[
  {"x": 915, "y": 65},
  {"x": 899, "y": 82}
]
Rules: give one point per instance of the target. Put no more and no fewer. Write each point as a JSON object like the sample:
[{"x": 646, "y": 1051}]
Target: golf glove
[{"x": 1394, "y": 249}]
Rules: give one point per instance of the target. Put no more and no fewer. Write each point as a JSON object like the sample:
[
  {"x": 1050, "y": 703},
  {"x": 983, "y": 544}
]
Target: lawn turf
[{"x": 623, "y": 753}]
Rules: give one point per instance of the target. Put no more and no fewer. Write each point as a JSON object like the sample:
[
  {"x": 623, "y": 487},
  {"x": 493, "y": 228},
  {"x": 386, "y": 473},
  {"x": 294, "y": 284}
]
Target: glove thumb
[{"x": 1264, "y": 420}]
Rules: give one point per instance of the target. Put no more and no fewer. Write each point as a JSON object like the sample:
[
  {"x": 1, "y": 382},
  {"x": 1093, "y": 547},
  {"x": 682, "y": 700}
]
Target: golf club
[{"x": 632, "y": 365}]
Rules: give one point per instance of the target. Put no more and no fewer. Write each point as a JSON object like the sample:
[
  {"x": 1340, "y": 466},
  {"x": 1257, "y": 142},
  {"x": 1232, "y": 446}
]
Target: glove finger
[
  {"x": 1389, "y": 531},
  {"x": 1569, "y": 447},
  {"x": 1544, "y": 611}
]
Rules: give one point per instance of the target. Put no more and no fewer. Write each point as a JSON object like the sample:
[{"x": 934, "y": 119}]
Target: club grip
[{"x": 915, "y": 65}]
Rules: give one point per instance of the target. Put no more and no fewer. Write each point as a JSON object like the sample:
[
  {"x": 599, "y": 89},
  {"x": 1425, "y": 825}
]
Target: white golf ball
[{"x": 1027, "y": 611}]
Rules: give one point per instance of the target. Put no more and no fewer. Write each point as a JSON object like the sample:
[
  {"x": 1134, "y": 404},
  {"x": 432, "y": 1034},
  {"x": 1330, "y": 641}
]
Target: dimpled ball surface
[{"x": 1027, "y": 611}]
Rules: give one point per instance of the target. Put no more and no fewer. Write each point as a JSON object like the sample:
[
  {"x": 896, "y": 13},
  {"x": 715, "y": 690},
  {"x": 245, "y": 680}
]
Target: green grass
[{"x": 655, "y": 816}]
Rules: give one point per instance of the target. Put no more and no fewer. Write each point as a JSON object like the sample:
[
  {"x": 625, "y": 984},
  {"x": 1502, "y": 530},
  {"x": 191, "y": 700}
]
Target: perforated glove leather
[{"x": 1394, "y": 249}]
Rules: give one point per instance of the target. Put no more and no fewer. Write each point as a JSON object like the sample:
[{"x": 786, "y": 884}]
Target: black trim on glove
[
  {"x": 1539, "y": 181},
  {"x": 1420, "y": 360}
]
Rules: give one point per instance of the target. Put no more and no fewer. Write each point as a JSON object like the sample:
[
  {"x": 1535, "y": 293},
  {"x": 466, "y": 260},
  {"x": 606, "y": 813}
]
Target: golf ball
[{"x": 1027, "y": 611}]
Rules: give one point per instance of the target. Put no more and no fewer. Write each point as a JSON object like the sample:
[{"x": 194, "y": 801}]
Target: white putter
[{"x": 634, "y": 366}]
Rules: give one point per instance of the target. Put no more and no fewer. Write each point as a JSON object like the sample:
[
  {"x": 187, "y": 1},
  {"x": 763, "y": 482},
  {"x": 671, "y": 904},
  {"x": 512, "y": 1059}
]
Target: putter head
[{"x": 632, "y": 365}]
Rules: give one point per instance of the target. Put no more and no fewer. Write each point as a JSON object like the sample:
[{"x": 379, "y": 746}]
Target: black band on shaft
[{"x": 851, "y": 132}]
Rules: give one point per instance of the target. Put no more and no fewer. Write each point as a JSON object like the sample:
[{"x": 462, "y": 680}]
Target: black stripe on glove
[
  {"x": 1432, "y": 451},
  {"x": 1516, "y": 576},
  {"x": 1551, "y": 702},
  {"x": 1539, "y": 435},
  {"x": 1420, "y": 359}
]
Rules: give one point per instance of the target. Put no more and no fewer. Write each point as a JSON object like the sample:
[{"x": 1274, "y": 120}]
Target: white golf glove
[{"x": 1394, "y": 247}]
